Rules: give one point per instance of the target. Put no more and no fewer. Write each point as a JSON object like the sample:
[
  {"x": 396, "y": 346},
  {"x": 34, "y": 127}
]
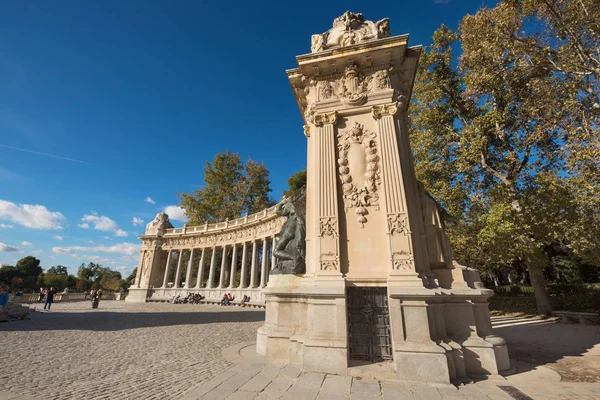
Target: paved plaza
[{"x": 181, "y": 351}]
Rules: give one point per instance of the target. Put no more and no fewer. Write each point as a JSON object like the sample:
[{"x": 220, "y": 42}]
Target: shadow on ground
[
  {"x": 570, "y": 349},
  {"x": 115, "y": 321}
]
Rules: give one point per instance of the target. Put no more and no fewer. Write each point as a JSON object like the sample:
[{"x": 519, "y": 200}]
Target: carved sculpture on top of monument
[
  {"x": 289, "y": 247},
  {"x": 159, "y": 225},
  {"x": 350, "y": 29}
]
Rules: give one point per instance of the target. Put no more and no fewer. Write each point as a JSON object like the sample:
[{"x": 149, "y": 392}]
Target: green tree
[
  {"x": 233, "y": 188},
  {"x": 493, "y": 137},
  {"x": 57, "y": 281},
  {"x": 58, "y": 270},
  {"x": 7, "y": 273},
  {"x": 296, "y": 182},
  {"x": 29, "y": 267}
]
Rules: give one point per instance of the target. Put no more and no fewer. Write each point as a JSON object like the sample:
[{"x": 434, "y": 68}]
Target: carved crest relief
[
  {"x": 359, "y": 170},
  {"x": 329, "y": 262},
  {"x": 402, "y": 263},
  {"x": 328, "y": 226},
  {"x": 398, "y": 223}
]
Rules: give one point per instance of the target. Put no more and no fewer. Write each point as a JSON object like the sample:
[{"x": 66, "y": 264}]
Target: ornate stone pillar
[
  {"x": 138, "y": 274},
  {"x": 328, "y": 266},
  {"x": 188, "y": 274},
  {"x": 263, "y": 266},
  {"x": 233, "y": 272},
  {"x": 244, "y": 273},
  {"x": 178, "y": 272},
  {"x": 164, "y": 285},
  {"x": 200, "y": 269},
  {"x": 400, "y": 244},
  {"x": 223, "y": 267},
  {"x": 211, "y": 273},
  {"x": 254, "y": 264}
]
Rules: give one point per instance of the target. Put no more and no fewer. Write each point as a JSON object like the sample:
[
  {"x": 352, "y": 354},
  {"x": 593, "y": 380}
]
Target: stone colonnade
[
  {"x": 207, "y": 259},
  {"x": 254, "y": 272}
]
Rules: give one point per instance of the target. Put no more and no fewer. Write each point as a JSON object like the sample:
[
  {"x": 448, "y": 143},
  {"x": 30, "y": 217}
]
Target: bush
[{"x": 579, "y": 298}]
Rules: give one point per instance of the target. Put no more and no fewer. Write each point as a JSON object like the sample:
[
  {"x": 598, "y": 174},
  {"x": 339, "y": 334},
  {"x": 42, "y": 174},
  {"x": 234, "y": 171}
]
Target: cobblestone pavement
[
  {"x": 253, "y": 378},
  {"x": 189, "y": 352},
  {"x": 121, "y": 350}
]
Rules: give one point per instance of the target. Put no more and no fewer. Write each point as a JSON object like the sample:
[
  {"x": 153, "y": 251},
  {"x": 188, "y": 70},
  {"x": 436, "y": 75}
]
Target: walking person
[
  {"x": 96, "y": 296},
  {"x": 41, "y": 295},
  {"x": 49, "y": 298},
  {"x": 3, "y": 298}
]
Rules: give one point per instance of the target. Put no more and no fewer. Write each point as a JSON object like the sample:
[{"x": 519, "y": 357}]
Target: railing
[
  {"x": 63, "y": 297},
  {"x": 219, "y": 226}
]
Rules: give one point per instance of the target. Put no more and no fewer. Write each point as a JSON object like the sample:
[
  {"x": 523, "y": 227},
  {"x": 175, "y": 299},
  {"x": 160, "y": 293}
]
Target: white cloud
[
  {"x": 120, "y": 233},
  {"x": 121, "y": 248},
  {"x": 25, "y": 244},
  {"x": 5, "y": 226},
  {"x": 58, "y": 237},
  {"x": 37, "y": 252},
  {"x": 89, "y": 241},
  {"x": 7, "y": 248},
  {"x": 175, "y": 213},
  {"x": 101, "y": 223},
  {"x": 31, "y": 216},
  {"x": 137, "y": 221},
  {"x": 149, "y": 200}
]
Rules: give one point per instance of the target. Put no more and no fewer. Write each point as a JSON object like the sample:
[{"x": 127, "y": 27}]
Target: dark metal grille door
[{"x": 369, "y": 324}]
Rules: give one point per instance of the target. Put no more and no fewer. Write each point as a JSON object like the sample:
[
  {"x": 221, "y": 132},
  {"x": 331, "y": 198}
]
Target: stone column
[
  {"x": 328, "y": 266},
  {"x": 200, "y": 270},
  {"x": 188, "y": 274},
  {"x": 211, "y": 274},
  {"x": 233, "y": 267},
  {"x": 164, "y": 285},
  {"x": 178, "y": 273},
  {"x": 253, "y": 265},
  {"x": 263, "y": 264},
  {"x": 138, "y": 274},
  {"x": 223, "y": 267},
  {"x": 244, "y": 273}
]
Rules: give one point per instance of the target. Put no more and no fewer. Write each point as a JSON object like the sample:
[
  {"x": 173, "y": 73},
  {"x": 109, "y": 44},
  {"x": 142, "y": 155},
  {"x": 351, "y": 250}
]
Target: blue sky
[{"x": 108, "y": 108}]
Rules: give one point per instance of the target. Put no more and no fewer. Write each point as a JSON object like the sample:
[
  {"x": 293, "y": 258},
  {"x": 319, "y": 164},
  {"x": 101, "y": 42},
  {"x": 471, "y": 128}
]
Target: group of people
[
  {"x": 191, "y": 298},
  {"x": 228, "y": 298},
  {"x": 48, "y": 296}
]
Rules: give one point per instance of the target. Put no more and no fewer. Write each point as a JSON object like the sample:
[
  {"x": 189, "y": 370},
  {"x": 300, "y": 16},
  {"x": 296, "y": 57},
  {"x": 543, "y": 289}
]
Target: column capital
[
  {"x": 326, "y": 118},
  {"x": 385, "y": 109},
  {"x": 306, "y": 130}
]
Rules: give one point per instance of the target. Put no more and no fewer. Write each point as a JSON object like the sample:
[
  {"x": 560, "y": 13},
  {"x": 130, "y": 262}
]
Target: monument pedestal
[{"x": 137, "y": 295}]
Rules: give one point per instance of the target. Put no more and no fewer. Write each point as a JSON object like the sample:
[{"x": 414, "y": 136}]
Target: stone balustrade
[{"x": 63, "y": 297}]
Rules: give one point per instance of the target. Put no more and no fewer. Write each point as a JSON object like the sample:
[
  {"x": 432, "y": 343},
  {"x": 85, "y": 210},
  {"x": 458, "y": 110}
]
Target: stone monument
[
  {"x": 379, "y": 282},
  {"x": 152, "y": 259}
]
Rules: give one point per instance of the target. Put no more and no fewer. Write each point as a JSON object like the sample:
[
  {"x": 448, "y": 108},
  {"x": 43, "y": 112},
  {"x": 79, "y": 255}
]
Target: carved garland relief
[{"x": 359, "y": 170}]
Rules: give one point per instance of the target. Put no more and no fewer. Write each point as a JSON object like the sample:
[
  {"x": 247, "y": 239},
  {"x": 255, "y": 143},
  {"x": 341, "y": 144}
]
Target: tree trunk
[{"x": 542, "y": 301}]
